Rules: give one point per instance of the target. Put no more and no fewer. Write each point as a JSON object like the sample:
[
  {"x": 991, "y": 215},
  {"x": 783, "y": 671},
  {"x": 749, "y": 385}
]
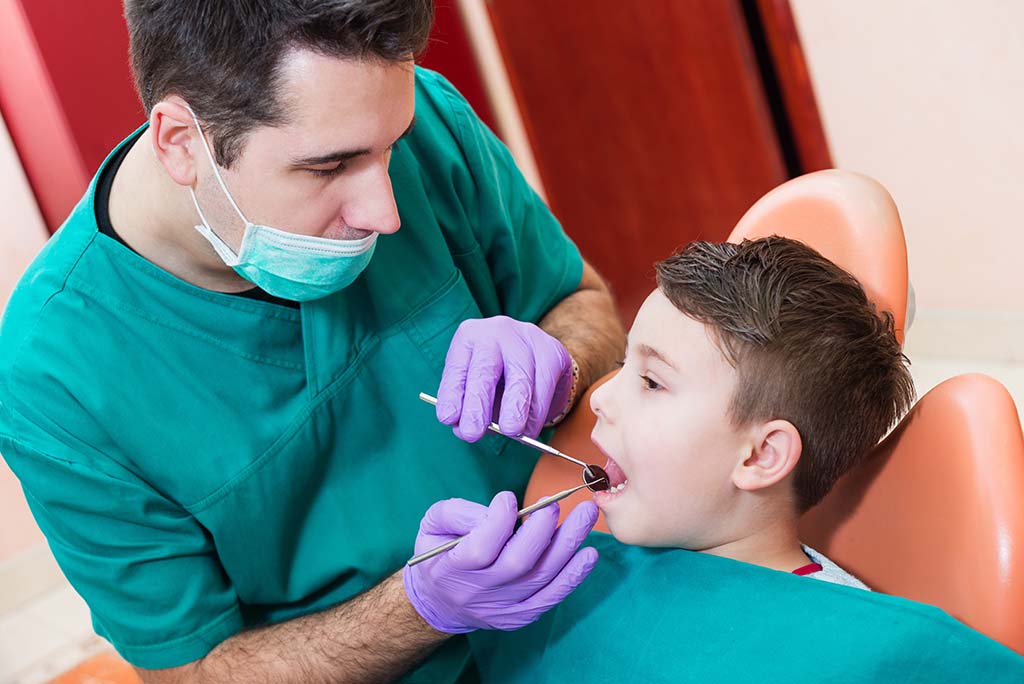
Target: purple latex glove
[
  {"x": 534, "y": 368},
  {"x": 492, "y": 581}
]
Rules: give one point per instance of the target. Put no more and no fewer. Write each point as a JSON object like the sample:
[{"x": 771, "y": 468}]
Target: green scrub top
[
  {"x": 201, "y": 463},
  {"x": 657, "y": 615}
]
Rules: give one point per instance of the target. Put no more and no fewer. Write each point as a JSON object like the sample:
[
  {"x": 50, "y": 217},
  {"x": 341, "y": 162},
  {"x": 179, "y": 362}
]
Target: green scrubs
[
  {"x": 201, "y": 463},
  {"x": 650, "y": 615}
]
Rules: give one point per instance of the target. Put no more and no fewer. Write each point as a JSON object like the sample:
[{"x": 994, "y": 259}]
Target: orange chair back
[
  {"x": 849, "y": 218},
  {"x": 936, "y": 514}
]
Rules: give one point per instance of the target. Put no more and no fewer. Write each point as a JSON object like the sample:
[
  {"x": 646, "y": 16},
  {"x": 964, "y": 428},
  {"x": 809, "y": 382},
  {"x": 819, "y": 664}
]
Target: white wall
[{"x": 927, "y": 96}]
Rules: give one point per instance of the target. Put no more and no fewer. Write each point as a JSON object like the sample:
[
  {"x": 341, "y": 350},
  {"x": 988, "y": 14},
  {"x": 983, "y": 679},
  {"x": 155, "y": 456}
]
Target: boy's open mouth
[{"x": 617, "y": 481}]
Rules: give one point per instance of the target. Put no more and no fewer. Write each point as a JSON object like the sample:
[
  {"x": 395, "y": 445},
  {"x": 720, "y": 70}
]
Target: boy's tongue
[{"x": 615, "y": 474}]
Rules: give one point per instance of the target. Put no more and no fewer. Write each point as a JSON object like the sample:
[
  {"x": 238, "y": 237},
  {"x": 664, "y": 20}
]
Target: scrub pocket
[{"x": 431, "y": 328}]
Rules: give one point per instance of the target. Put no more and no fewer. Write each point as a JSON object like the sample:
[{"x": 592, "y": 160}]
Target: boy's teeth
[{"x": 617, "y": 488}]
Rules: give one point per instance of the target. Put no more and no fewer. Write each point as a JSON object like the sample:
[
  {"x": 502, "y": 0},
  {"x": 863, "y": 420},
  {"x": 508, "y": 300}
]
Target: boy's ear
[
  {"x": 174, "y": 142},
  {"x": 775, "y": 450}
]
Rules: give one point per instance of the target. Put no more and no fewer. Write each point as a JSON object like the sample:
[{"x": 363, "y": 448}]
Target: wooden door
[{"x": 650, "y": 122}]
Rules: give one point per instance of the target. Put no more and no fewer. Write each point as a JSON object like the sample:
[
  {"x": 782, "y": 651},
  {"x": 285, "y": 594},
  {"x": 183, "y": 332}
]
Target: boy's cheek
[{"x": 632, "y": 524}]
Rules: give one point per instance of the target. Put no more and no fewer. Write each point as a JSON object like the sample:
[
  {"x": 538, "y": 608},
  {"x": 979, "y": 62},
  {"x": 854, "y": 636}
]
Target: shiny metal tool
[
  {"x": 522, "y": 439},
  {"x": 593, "y": 475},
  {"x": 427, "y": 555}
]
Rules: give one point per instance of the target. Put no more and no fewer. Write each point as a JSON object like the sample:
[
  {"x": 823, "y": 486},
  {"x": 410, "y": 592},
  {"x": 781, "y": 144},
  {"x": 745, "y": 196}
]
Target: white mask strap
[
  {"x": 216, "y": 173},
  {"x": 222, "y": 248}
]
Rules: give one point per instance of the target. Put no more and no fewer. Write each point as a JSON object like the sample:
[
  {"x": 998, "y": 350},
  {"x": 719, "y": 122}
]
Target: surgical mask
[{"x": 290, "y": 266}]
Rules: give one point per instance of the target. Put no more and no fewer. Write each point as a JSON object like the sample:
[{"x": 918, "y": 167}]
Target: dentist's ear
[
  {"x": 173, "y": 134},
  {"x": 774, "y": 452}
]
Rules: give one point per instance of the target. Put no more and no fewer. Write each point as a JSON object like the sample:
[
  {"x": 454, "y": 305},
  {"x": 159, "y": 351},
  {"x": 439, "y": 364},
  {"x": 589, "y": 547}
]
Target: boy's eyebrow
[
  {"x": 344, "y": 155},
  {"x": 648, "y": 350}
]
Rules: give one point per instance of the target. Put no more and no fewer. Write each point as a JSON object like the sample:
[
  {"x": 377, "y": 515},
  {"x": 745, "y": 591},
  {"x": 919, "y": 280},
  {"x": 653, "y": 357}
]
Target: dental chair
[
  {"x": 936, "y": 513},
  {"x": 851, "y": 220}
]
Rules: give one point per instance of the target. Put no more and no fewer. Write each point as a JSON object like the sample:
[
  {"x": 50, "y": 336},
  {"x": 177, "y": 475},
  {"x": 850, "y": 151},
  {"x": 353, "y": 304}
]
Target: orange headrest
[{"x": 851, "y": 220}]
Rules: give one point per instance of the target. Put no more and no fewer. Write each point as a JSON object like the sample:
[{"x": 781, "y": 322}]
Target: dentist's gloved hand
[
  {"x": 500, "y": 359},
  {"x": 492, "y": 581}
]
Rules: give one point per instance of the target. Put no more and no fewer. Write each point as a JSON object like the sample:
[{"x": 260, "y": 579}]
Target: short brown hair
[
  {"x": 807, "y": 345},
  {"x": 222, "y": 56}
]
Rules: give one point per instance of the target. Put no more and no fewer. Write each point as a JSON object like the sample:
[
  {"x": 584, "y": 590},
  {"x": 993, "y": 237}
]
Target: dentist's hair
[
  {"x": 807, "y": 345},
  {"x": 223, "y": 56}
]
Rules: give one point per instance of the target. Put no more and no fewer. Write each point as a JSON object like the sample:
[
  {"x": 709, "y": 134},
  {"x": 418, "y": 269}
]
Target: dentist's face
[
  {"x": 324, "y": 172},
  {"x": 663, "y": 423}
]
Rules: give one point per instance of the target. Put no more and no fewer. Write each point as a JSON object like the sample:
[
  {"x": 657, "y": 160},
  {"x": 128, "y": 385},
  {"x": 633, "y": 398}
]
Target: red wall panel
[
  {"x": 67, "y": 97},
  {"x": 85, "y": 48},
  {"x": 648, "y": 120},
  {"x": 36, "y": 119}
]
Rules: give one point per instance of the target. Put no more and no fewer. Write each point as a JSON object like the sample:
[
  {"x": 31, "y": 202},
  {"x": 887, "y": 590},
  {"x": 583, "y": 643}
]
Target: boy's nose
[{"x": 597, "y": 400}]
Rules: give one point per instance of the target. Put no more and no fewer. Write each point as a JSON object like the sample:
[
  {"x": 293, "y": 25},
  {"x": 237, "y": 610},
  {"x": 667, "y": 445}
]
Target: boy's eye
[
  {"x": 327, "y": 173},
  {"x": 650, "y": 384}
]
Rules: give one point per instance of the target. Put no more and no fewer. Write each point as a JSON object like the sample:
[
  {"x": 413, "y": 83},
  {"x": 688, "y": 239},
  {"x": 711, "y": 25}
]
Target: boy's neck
[{"x": 774, "y": 545}]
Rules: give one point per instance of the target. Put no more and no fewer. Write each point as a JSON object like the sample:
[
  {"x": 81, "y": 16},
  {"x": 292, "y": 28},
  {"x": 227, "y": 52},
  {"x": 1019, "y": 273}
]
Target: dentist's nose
[{"x": 376, "y": 209}]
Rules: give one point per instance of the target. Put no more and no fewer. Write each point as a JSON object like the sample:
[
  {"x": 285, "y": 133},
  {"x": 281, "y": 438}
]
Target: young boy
[{"x": 755, "y": 376}]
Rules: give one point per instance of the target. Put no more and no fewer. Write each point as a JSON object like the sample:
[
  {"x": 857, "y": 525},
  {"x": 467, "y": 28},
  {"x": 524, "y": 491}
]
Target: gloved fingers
[
  {"x": 553, "y": 362},
  {"x": 452, "y": 390},
  {"x": 539, "y": 401},
  {"x": 565, "y": 541},
  {"x": 537, "y": 416},
  {"x": 571, "y": 576},
  {"x": 517, "y": 397},
  {"x": 452, "y": 517},
  {"x": 527, "y": 545},
  {"x": 482, "y": 379},
  {"x": 484, "y": 543}
]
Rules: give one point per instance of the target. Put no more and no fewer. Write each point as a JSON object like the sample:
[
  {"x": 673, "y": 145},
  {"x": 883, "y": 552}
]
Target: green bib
[{"x": 650, "y": 615}]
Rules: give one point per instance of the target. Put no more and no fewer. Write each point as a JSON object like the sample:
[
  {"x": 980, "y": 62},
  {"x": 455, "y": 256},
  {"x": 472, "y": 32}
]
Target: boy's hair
[
  {"x": 807, "y": 345},
  {"x": 222, "y": 56}
]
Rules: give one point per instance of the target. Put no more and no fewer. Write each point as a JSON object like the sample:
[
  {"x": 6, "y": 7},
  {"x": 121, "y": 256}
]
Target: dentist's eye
[
  {"x": 650, "y": 384},
  {"x": 327, "y": 173},
  {"x": 620, "y": 364}
]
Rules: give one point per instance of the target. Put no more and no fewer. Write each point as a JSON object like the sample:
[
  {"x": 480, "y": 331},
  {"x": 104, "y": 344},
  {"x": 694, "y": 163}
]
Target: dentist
[{"x": 209, "y": 376}]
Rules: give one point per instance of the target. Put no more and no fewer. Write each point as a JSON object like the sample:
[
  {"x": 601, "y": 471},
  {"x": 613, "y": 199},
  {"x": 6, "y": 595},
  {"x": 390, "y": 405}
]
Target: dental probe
[
  {"x": 522, "y": 439},
  {"x": 427, "y": 555}
]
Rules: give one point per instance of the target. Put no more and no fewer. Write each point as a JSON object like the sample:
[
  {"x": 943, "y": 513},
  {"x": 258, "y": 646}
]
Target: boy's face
[{"x": 663, "y": 421}]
